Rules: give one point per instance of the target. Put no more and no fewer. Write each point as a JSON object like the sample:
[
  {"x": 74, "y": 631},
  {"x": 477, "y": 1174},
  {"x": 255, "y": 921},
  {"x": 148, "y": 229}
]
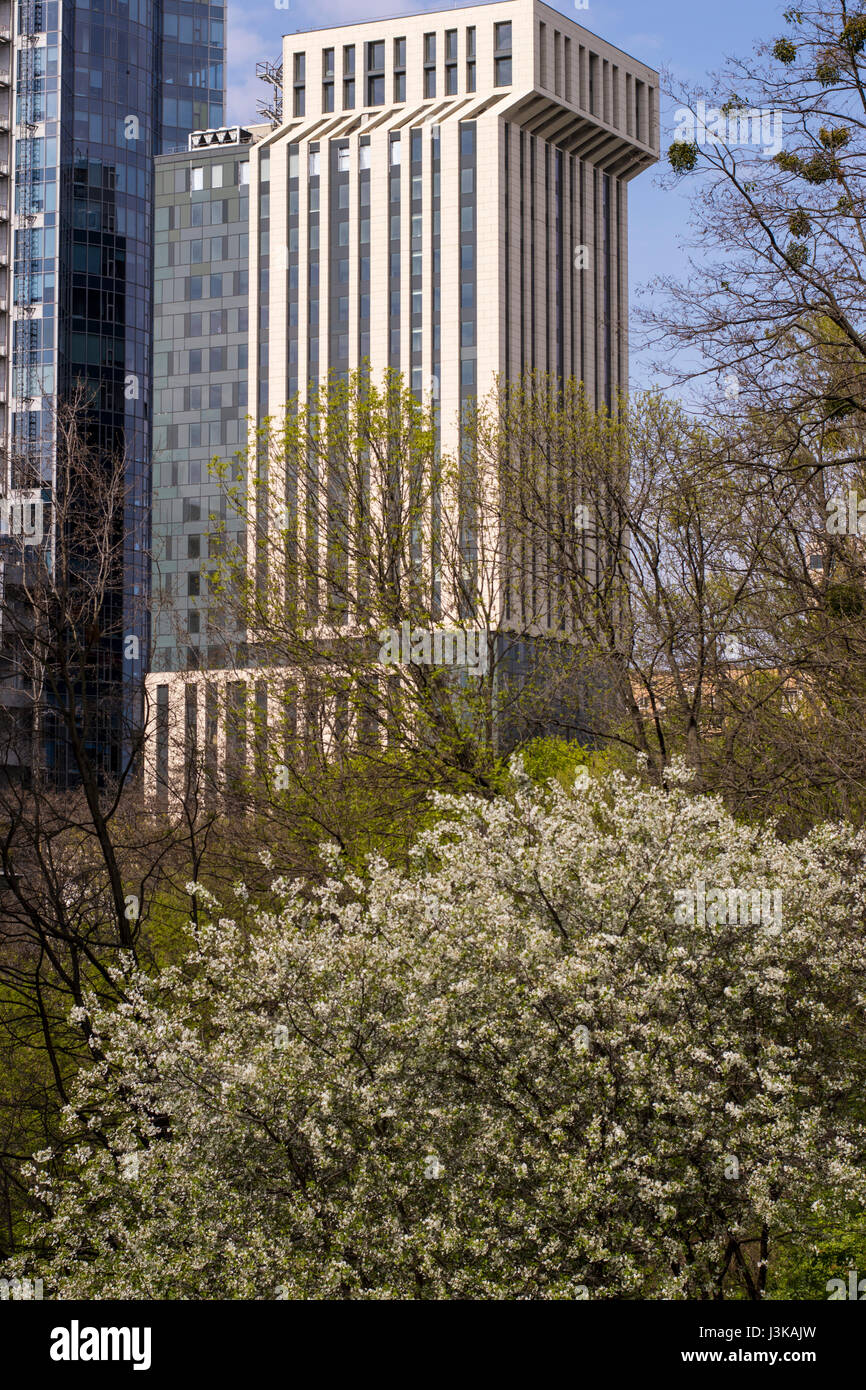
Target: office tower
[
  {"x": 451, "y": 191},
  {"x": 201, "y": 253},
  {"x": 446, "y": 195},
  {"x": 98, "y": 88}
]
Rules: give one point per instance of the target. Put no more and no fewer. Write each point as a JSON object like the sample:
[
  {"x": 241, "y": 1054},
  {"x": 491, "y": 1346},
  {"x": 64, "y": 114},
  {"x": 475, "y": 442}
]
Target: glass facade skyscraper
[
  {"x": 200, "y": 385},
  {"x": 99, "y": 88},
  {"x": 191, "y": 71}
]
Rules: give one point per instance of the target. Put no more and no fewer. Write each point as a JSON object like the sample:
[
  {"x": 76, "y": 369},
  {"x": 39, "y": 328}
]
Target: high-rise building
[
  {"x": 449, "y": 193},
  {"x": 93, "y": 89},
  {"x": 445, "y": 194},
  {"x": 200, "y": 379}
]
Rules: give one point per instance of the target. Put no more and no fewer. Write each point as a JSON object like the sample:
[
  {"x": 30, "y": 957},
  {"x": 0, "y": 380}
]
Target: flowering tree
[{"x": 555, "y": 1058}]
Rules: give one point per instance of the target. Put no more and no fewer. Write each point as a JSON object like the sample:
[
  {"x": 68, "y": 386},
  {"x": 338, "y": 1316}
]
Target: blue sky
[{"x": 691, "y": 37}]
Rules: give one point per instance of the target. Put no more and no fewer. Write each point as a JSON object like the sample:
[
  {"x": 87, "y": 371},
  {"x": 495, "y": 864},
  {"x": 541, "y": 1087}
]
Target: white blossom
[{"x": 432, "y": 1011}]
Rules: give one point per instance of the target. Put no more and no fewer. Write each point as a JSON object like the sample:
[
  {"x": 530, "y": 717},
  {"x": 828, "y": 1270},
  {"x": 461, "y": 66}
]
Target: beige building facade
[
  {"x": 445, "y": 195},
  {"x": 475, "y": 163}
]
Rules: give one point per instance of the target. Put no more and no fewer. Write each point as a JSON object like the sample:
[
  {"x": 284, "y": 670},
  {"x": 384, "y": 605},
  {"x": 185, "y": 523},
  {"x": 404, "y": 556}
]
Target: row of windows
[
  {"x": 199, "y": 361},
  {"x": 202, "y": 250},
  {"x": 202, "y": 434},
  {"x": 374, "y": 69},
  {"x": 204, "y": 214},
  {"x": 342, "y": 167},
  {"x": 213, "y": 324},
  {"x": 174, "y": 399},
  {"x": 217, "y": 286},
  {"x": 198, "y": 175}
]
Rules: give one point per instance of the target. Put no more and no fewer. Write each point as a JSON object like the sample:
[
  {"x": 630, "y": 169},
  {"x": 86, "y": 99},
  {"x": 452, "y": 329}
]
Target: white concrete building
[{"x": 445, "y": 195}]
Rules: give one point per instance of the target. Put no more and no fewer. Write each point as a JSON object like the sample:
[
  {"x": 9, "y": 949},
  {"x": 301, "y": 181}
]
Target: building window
[
  {"x": 376, "y": 72},
  {"x": 450, "y": 62},
  {"x": 328, "y": 79},
  {"x": 349, "y": 94},
  {"x": 300, "y": 71},
  {"x": 429, "y": 65},
  {"x": 502, "y": 54},
  {"x": 349, "y": 60},
  {"x": 196, "y": 180}
]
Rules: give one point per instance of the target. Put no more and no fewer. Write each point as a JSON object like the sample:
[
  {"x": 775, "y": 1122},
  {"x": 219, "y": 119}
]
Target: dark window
[
  {"x": 429, "y": 65},
  {"x": 328, "y": 63},
  {"x": 451, "y": 46},
  {"x": 349, "y": 94},
  {"x": 399, "y": 69},
  {"x": 502, "y": 54},
  {"x": 300, "y": 75},
  {"x": 376, "y": 73}
]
